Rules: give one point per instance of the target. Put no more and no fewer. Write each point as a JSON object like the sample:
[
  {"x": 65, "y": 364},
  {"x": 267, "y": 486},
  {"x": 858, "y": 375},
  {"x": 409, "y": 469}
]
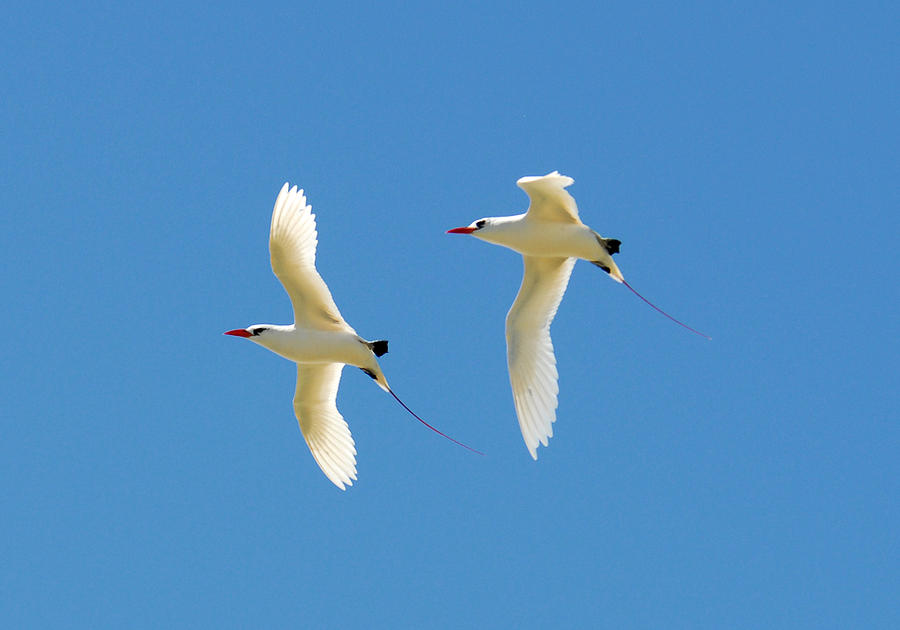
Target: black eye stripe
[{"x": 480, "y": 224}]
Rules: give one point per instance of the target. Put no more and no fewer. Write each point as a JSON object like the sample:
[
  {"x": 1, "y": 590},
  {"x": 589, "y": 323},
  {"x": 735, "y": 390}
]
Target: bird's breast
[
  {"x": 551, "y": 240},
  {"x": 314, "y": 346}
]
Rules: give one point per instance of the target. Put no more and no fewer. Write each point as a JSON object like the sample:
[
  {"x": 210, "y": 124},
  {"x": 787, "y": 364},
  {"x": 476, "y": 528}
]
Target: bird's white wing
[
  {"x": 529, "y": 351},
  {"x": 292, "y": 246},
  {"x": 324, "y": 428},
  {"x": 549, "y": 199}
]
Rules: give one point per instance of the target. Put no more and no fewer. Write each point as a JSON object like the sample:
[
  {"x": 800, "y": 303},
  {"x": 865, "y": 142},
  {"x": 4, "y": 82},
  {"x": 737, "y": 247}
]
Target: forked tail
[{"x": 663, "y": 312}]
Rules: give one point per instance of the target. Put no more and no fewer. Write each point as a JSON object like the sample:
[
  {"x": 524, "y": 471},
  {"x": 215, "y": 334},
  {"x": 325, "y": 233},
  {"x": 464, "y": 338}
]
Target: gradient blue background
[{"x": 152, "y": 473}]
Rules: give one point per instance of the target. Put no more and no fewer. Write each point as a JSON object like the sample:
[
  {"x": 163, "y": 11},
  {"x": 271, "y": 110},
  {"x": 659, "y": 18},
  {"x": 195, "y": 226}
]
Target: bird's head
[
  {"x": 253, "y": 333},
  {"x": 476, "y": 228}
]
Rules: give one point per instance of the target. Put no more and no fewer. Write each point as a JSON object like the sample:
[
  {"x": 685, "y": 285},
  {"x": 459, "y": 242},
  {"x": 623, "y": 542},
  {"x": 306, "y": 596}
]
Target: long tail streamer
[
  {"x": 402, "y": 404},
  {"x": 661, "y": 311}
]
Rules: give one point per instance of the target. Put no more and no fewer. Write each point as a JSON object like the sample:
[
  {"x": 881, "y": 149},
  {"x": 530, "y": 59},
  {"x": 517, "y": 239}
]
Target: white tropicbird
[
  {"x": 319, "y": 340},
  {"x": 550, "y": 237}
]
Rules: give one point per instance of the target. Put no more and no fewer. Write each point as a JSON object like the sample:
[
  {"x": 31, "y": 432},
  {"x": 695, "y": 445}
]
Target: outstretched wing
[
  {"x": 549, "y": 199},
  {"x": 529, "y": 350},
  {"x": 292, "y": 247},
  {"x": 323, "y": 427}
]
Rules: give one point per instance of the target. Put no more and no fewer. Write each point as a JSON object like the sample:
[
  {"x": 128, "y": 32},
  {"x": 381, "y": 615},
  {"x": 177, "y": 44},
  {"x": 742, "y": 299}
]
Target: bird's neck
[{"x": 503, "y": 231}]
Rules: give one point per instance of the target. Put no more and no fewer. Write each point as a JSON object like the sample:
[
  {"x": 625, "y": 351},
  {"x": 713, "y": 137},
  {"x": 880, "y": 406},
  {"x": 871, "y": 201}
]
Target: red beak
[
  {"x": 465, "y": 230},
  {"x": 238, "y": 332}
]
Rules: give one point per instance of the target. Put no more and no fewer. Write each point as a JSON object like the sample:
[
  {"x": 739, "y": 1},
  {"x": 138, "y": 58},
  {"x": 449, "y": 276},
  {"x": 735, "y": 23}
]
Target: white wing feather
[
  {"x": 323, "y": 427},
  {"x": 529, "y": 350},
  {"x": 549, "y": 199},
  {"x": 292, "y": 247}
]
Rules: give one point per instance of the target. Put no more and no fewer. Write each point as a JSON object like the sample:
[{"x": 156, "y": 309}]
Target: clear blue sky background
[{"x": 152, "y": 473}]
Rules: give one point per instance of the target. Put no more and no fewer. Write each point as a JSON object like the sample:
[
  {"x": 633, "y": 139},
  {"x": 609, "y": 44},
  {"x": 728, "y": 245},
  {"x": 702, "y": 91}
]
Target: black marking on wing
[{"x": 611, "y": 245}]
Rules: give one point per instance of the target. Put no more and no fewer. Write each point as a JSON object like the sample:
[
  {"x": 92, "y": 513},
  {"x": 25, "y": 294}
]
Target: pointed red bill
[{"x": 238, "y": 332}]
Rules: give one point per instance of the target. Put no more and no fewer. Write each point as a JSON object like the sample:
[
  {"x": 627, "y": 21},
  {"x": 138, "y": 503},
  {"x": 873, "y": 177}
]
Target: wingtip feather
[{"x": 563, "y": 180}]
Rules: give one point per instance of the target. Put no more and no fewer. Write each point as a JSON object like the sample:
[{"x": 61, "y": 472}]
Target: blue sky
[{"x": 151, "y": 470}]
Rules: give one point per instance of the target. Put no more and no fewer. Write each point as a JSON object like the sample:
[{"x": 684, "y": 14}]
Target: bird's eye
[
  {"x": 480, "y": 224},
  {"x": 256, "y": 331}
]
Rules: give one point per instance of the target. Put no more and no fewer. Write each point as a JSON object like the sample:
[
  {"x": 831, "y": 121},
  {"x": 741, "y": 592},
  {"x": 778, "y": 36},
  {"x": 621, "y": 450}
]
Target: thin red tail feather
[
  {"x": 402, "y": 404},
  {"x": 664, "y": 313}
]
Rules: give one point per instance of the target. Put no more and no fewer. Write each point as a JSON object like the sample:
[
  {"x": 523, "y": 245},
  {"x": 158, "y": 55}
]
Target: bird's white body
[
  {"x": 538, "y": 237},
  {"x": 319, "y": 341},
  {"x": 308, "y": 345},
  {"x": 550, "y": 236}
]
